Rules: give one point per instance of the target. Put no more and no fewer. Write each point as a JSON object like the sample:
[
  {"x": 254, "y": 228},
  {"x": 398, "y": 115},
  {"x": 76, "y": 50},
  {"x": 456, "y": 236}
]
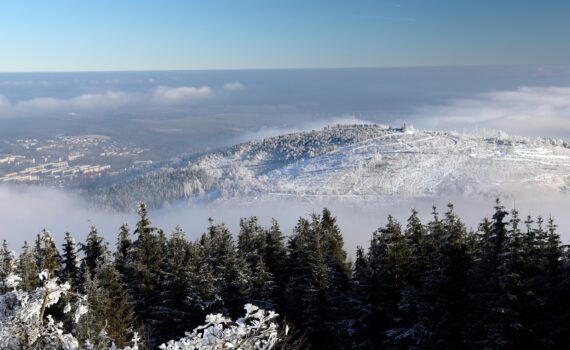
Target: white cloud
[
  {"x": 86, "y": 102},
  {"x": 527, "y": 110},
  {"x": 40, "y": 103},
  {"x": 4, "y": 102},
  {"x": 25, "y": 211},
  {"x": 112, "y": 99},
  {"x": 170, "y": 95},
  {"x": 109, "y": 99},
  {"x": 234, "y": 87}
]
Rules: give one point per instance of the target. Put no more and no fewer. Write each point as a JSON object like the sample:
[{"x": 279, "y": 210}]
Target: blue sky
[{"x": 66, "y": 35}]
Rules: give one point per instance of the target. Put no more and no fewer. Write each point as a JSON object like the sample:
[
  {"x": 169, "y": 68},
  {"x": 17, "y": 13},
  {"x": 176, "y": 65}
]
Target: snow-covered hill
[{"x": 357, "y": 163}]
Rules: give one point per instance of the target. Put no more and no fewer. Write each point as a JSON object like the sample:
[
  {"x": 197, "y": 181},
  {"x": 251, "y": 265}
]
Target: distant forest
[{"x": 437, "y": 285}]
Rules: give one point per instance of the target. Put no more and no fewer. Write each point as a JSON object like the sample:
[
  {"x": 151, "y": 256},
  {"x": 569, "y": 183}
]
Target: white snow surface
[
  {"x": 375, "y": 163},
  {"x": 356, "y": 164}
]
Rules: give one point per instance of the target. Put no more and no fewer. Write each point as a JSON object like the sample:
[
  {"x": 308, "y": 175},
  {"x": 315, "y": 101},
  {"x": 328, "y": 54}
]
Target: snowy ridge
[{"x": 361, "y": 163}]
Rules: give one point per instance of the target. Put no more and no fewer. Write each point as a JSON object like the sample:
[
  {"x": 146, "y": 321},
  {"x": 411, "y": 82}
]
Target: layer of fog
[
  {"x": 526, "y": 111},
  {"x": 25, "y": 211}
]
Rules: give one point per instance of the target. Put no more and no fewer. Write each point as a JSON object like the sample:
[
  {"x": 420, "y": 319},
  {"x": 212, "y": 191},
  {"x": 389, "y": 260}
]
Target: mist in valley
[
  {"x": 173, "y": 113},
  {"x": 25, "y": 211}
]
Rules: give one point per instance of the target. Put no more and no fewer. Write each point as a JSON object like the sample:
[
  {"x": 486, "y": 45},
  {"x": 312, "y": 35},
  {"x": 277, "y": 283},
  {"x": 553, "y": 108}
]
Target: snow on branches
[
  {"x": 256, "y": 330},
  {"x": 25, "y": 323}
]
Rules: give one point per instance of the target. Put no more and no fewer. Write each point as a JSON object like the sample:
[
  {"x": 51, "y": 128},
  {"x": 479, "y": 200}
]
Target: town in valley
[{"x": 63, "y": 159}]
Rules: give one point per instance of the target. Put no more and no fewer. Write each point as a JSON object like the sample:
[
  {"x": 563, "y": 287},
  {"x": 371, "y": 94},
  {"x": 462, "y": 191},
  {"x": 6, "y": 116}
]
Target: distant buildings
[
  {"x": 62, "y": 158},
  {"x": 54, "y": 170}
]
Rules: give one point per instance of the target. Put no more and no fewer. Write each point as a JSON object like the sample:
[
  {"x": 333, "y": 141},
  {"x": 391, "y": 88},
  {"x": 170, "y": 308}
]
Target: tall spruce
[
  {"x": 447, "y": 282},
  {"x": 232, "y": 275},
  {"x": 27, "y": 269},
  {"x": 250, "y": 241},
  {"x": 93, "y": 250},
  {"x": 7, "y": 266},
  {"x": 46, "y": 254},
  {"x": 71, "y": 262},
  {"x": 203, "y": 289},
  {"x": 123, "y": 249},
  {"x": 143, "y": 278},
  {"x": 111, "y": 317},
  {"x": 389, "y": 259},
  {"x": 300, "y": 272},
  {"x": 319, "y": 279},
  {"x": 263, "y": 286},
  {"x": 274, "y": 258},
  {"x": 173, "y": 319}
]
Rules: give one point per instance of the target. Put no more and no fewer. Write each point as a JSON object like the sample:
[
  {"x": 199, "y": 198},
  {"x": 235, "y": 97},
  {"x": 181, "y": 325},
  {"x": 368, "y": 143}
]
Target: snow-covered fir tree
[{"x": 422, "y": 285}]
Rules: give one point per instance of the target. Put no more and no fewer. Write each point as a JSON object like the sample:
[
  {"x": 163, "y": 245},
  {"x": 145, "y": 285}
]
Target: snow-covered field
[{"x": 364, "y": 163}]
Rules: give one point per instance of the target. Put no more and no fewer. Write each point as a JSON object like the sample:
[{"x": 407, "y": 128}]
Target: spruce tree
[
  {"x": 70, "y": 271},
  {"x": 123, "y": 250},
  {"x": 319, "y": 279},
  {"x": 27, "y": 269},
  {"x": 409, "y": 326},
  {"x": 143, "y": 277},
  {"x": 274, "y": 257},
  {"x": 389, "y": 259},
  {"x": 335, "y": 255},
  {"x": 487, "y": 316},
  {"x": 7, "y": 266},
  {"x": 339, "y": 277},
  {"x": 416, "y": 233},
  {"x": 447, "y": 279},
  {"x": 263, "y": 287},
  {"x": 236, "y": 289},
  {"x": 250, "y": 241},
  {"x": 231, "y": 273},
  {"x": 254, "y": 246},
  {"x": 203, "y": 289},
  {"x": 300, "y": 271},
  {"x": 110, "y": 318},
  {"x": 46, "y": 254},
  {"x": 93, "y": 250},
  {"x": 116, "y": 308},
  {"x": 173, "y": 319},
  {"x": 316, "y": 300},
  {"x": 360, "y": 300}
]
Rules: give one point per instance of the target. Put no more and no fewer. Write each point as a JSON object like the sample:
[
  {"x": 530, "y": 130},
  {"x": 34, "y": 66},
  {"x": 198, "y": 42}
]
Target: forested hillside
[
  {"x": 358, "y": 163},
  {"x": 433, "y": 285}
]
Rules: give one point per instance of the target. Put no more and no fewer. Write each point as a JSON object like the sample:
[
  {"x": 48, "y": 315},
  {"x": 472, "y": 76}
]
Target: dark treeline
[{"x": 435, "y": 285}]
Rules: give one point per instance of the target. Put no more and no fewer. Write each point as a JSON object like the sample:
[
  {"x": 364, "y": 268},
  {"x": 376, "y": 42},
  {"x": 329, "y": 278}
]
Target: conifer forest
[{"x": 417, "y": 285}]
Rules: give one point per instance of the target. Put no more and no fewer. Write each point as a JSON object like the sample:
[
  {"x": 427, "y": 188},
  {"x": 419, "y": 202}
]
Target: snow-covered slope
[{"x": 358, "y": 162}]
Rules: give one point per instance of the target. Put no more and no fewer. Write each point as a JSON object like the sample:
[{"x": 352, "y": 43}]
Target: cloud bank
[
  {"x": 168, "y": 95},
  {"x": 233, "y": 87},
  {"x": 160, "y": 96},
  {"x": 109, "y": 100},
  {"x": 4, "y": 103},
  {"x": 25, "y": 211},
  {"x": 525, "y": 111}
]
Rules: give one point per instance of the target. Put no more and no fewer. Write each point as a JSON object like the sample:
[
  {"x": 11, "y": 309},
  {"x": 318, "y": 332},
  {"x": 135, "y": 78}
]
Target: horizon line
[{"x": 289, "y": 68}]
